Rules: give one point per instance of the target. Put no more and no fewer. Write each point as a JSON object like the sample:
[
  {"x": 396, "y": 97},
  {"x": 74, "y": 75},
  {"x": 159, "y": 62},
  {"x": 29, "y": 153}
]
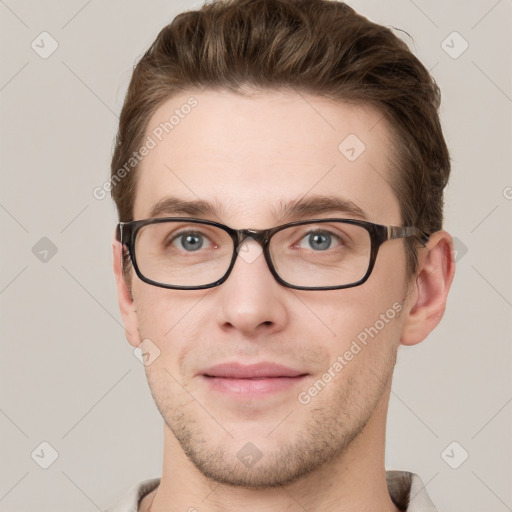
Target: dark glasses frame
[{"x": 126, "y": 233}]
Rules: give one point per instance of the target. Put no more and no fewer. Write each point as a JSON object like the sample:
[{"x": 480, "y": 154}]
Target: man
[{"x": 279, "y": 174}]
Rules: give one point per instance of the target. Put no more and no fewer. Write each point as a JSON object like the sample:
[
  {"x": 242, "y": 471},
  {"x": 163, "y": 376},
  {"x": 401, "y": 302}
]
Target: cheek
[
  {"x": 345, "y": 316},
  {"x": 166, "y": 317},
  {"x": 364, "y": 322},
  {"x": 153, "y": 314},
  {"x": 160, "y": 311}
]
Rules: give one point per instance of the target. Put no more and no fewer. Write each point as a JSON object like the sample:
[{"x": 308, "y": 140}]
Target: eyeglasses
[{"x": 319, "y": 254}]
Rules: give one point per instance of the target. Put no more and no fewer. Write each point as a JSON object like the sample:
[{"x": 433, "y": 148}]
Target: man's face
[{"x": 248, "y": 156}]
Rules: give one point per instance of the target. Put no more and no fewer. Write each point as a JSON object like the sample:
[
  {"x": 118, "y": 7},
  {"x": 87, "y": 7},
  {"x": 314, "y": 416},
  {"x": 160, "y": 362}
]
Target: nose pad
[{"x": 249, "y": 250}]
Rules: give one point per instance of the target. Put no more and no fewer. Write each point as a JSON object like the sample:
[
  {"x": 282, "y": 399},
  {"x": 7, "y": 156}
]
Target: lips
[
  {"x": 248, "y": 382},
  {"x": 252, "y": 371}
]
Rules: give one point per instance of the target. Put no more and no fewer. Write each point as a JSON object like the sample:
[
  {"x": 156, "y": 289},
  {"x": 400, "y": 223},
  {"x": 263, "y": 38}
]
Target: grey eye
[
  {"x": 189, "y": 241},
  {"x": 318, "y": 241}
]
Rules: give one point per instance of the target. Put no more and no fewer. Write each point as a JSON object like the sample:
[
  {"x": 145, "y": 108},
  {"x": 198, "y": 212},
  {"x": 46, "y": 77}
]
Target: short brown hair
[{"x": 321, "y": 47}]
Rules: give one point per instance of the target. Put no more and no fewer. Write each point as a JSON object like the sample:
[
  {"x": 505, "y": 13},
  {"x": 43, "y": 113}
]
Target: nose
[{"x": 251, "y": 301}]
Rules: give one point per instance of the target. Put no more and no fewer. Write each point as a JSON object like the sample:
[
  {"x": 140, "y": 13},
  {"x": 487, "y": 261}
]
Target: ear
[
  {"x": 429, "y": 292},
  {"x": 126, "y": 303}
]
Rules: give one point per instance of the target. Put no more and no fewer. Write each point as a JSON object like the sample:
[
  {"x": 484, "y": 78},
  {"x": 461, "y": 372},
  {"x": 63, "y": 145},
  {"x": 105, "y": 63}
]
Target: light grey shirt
[{"x": 406, "y": 490}]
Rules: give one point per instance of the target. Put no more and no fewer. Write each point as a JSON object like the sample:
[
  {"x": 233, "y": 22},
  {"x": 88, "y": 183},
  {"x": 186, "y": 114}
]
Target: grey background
[{"x": 69, "y": 378}]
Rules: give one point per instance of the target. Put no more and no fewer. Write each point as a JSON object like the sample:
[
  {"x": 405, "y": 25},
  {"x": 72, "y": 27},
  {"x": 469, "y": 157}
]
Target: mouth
[{"x": 253, "y": 380}]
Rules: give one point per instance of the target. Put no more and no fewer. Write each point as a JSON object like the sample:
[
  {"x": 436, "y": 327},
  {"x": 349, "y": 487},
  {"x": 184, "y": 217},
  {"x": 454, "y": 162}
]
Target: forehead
[{"x": 250, "y": 155}]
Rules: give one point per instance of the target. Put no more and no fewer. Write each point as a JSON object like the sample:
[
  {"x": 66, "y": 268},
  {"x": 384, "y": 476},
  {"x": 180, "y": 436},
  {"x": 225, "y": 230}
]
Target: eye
[
  {"x": 319, "y": 240},
  {"x": 189, "y": 241}
]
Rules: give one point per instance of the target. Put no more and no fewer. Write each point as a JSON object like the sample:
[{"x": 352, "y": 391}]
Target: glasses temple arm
[{"x": 405, "y": 232}]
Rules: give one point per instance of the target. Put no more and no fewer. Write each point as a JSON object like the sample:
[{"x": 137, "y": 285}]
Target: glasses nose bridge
[{"x": 259, "y": 235}]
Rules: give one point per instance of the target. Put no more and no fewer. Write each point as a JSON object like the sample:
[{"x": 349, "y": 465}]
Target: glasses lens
[
  {"x": 183, "y": 253},
  {"x": 321, "y": 254}
]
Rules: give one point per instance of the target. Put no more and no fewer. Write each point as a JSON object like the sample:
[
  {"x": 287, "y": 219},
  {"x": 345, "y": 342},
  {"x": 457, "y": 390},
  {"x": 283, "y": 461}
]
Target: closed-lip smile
[{"x": 251, "y": 380}]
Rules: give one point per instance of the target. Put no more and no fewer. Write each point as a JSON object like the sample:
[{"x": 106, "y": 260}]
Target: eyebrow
[
  {"x": 299, "y": 208},
  {"x": 315, "y": 205},
  {"x": 177, "y": 206}
]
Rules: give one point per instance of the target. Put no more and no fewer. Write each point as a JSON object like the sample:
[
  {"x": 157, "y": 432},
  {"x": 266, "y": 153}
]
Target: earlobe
[
  {"x": 430, "y": 290},
  {"x": 124, "y": 296}
]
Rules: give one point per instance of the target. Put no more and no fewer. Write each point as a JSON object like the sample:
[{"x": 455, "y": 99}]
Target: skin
[{"x": 249, "y": 153}]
